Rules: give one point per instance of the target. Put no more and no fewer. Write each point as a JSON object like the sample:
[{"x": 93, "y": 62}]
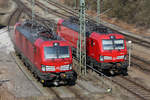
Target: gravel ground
[
  {"x": 6, "y": 11},
  {"x": 18, "y": 84}
]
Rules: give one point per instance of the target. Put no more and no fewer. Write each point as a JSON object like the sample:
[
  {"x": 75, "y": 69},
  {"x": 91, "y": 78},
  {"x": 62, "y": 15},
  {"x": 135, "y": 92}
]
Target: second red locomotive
[
  {"x": 49, "y": 58},
  {"x": 106, "y": 50}
]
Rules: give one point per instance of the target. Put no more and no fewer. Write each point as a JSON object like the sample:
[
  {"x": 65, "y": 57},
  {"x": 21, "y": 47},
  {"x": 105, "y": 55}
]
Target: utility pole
[
  {"x": 81, "y": 49},
  {"x": 98, "y": 11}
]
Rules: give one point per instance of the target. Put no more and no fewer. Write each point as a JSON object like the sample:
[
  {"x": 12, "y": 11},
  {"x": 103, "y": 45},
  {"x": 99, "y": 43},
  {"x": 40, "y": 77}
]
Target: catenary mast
[{"x": 81, "y": 45}]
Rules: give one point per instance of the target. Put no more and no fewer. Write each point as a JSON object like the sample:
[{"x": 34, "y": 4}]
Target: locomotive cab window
[
  {"x": 107, "y": 44},
  {"x": 56, "y": 52},
  {"x": 63, "y": 52},
  {"x": 113, "y": 44},
  {"x": 50, "y": 52},
  {"x": 119, "y": 44}
]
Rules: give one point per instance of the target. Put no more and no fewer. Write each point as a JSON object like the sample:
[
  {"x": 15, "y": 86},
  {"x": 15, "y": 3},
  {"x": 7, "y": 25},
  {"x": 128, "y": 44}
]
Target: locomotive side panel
[
  {"x": 37, "y": 57},
  {"x": 93, "y": 49},
  {"x": 68, "y": 33}
]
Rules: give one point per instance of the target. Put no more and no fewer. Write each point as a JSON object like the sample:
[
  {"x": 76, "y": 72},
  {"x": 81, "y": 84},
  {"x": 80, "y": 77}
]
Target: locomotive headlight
[
  {"x": 70, "y": 66},
  {"x": 101, "y": 58},
  {"x": 43, "y": 68},
  {"x": 125, "y": 57},
  {"x": 50, "y": 68},
  {"x": 66, "y": 67},
  {"x": 120, "y": 57},
  {"x": 107, "y": 57}
]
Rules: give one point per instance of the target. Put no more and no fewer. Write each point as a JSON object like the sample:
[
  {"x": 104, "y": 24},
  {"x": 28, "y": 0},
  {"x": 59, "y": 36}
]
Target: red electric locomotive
[
  {"x": 106, "y": 50},
  {"x": 49, "y": 58}
]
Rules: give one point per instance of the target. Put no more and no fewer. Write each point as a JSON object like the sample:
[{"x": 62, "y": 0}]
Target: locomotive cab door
[{"x": 91, "y": 47}]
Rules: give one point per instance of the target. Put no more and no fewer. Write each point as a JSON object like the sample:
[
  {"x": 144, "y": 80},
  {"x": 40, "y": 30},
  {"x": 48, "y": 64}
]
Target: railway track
[
  {"x": 144, "y": 95},
  {"x": 77, "y": 92},
  {"x": 141, "y": 64},
  {"x": 136, "y": 89},
  {"x": 52, "y": 11},
  {"x": 140, "y": 92}
]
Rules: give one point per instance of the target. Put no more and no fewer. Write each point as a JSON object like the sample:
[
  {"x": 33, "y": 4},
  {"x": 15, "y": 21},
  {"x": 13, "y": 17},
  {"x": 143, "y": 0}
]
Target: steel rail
[
  {"x": 141, "y": 63},
  {"x": 136, "y": 88},
  {"x": 10, "y": 18},
  {"x": 55, "y": 12}
]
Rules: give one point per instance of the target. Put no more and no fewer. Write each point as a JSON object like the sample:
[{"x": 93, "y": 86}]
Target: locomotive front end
[
  {"x": 113, "y": 54},
  {"x": 57, "y": 64}
]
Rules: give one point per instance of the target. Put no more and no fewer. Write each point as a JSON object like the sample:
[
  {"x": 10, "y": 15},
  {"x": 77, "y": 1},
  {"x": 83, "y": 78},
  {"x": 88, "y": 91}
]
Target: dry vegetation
[
  {"x": 130, "y": 11},
  {"x": 3, "y": 3}
]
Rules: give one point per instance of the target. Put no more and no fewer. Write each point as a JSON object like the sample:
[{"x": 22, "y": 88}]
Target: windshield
[
  {"x": 113, "y": 44},
  {"x": 119, "y": 44},
  {"x": 63, "y": 52},
  {"x": 56, "y": 52},
  {"x": 107, "y": 44}
]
